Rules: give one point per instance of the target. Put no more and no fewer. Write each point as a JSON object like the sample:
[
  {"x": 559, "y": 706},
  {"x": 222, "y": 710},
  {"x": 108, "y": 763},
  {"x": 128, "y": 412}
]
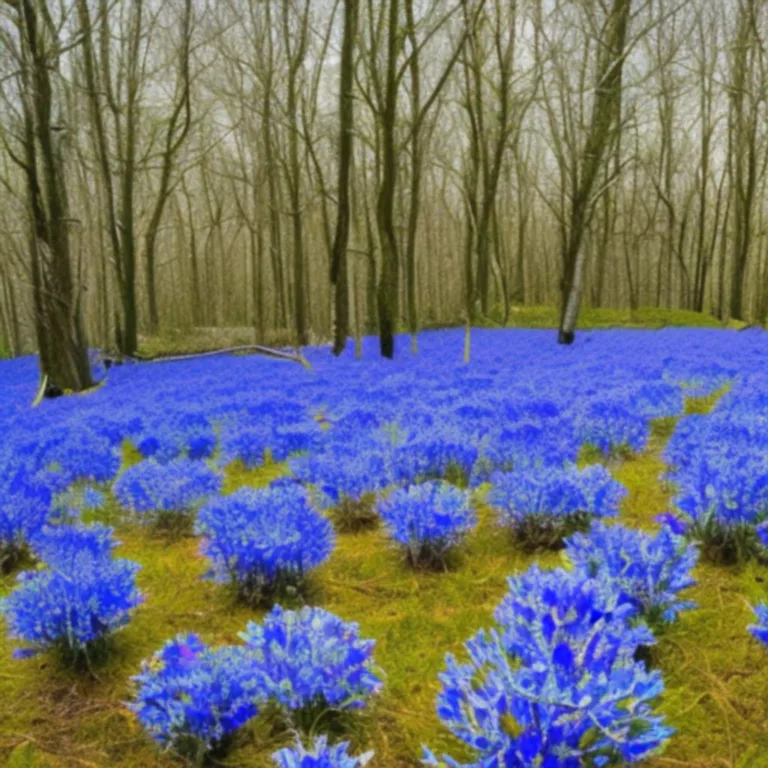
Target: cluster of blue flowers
[
  {"x": 263, "y": 541},
  {"x": 612, "y": 426},
  {"x": 321, "y": 755},
  {"x": 542, "y": 506},
  {"x": 719, "y": 468},
  {"x": 648, "y": 571},
  {"x": 427, "y": 520},
  {"x": 346, "y": 478},
  {"x": 556, "y": 683},
  {"x": 312, "y": 660},
  {"x": 80, "y": 597},
  {"x": 179, "y": 485},
  {"x": 176, "y": 434},
  {"x": 25, "y": 504},
  {"x": 760, "y": 630},
  {"x": 191, "y": 697}
]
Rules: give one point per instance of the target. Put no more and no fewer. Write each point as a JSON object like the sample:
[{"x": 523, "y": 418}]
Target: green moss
[
  {"x": 716, "y": 674},
  {"x": 548, "y": 317}
]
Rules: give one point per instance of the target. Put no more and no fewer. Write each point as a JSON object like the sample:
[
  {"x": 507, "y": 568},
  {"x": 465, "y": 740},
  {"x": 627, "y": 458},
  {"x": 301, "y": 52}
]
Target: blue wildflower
[
  {"x": 648, "y": 571},
  {"x": 556, "y": 684},
  {"x": 82, "y": 596},
  {"x": 760, "y": 630},
  {"x": 321, "y": 755},
  {"x": 544, "y": 505},
  {"x": 190, "y": 696},
  {"x": 427, "y": 520},
  {"x": 176, "y": 486},
  {"x": 263, "y": 541},
  {"x": 311, "y": 660}
]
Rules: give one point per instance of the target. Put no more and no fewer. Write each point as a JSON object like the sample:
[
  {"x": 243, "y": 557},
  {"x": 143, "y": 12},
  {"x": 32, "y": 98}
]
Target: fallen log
[{"x": 296, "y": 357}]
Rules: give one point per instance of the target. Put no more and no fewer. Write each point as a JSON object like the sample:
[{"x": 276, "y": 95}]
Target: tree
[
  {"x": 601, "y": 132},
  {"x": 388, "y": 292},
  {"x": 747, "y": 94},
  {"x": 57, "y": 297},
  {"x": 339, "y": 269}
]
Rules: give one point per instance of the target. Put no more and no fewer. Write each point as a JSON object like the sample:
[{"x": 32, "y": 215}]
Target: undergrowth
[{"x": 716, "y": 674}]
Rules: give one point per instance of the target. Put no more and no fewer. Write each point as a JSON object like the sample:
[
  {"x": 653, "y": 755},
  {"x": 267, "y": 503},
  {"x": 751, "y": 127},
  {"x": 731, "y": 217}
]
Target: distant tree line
[{"x": 315, "y": 169}]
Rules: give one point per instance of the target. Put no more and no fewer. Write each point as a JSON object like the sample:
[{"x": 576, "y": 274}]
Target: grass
[
  {"x": 646, "y": 317},
  {"x": 191, "y": 341},
  {"x": 716, "y": 675}
]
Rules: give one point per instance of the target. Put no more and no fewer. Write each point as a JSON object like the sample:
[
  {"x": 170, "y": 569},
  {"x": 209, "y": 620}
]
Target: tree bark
[
  {"x": 339, "y": 267},
  {"x": 58, "y": 323}
]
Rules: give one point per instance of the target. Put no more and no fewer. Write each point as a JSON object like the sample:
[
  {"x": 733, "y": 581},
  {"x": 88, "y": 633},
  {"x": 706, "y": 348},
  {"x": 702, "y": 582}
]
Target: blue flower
[
  {"x": 610, "y": 425},
  {"x": 556, "y": 683},
  {"x": 79, "y": 598},
  {"x": 189, "y": 696},
  {"x": 176, "y": 434},
  {"x": 760, "y": 630},
  {"x": 248, "y": 444},
  {"x": 262, "y": 540},
  {"x": 25, "y": 504},
  {"x": 320, "y": 755},
  {"x": 648, "y": 571},
  {"x": 311, "y": 660},
  {"x": 674, "y": 523},
  {"x": 427, "y": 520},
  {"x": 542, "y": 506},
  {"x": 176, "y": 486}
]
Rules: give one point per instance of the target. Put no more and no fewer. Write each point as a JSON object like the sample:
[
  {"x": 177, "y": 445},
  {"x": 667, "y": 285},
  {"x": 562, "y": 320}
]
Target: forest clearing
[{"x": 384, "y": 382}]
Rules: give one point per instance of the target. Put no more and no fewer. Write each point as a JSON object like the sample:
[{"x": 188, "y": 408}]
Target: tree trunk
[
  {"x": 339, "y": 267},
  {"x": 58, "y": 325},
  {"x": 605, "y": 115},
  {"x": 389, "y": 285}
]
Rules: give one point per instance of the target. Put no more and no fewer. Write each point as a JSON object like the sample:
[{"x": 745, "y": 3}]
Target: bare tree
[{"x": 56, "y": 293}]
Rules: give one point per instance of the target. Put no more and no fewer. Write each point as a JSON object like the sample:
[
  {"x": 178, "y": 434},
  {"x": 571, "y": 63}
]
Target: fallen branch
[{"x": 297, "y": 357}]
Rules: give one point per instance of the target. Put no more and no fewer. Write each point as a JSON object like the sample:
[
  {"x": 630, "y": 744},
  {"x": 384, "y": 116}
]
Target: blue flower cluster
[
  {"x": 25, "y": 504},
  {"x": 648, "y": 571},
  {"x": 542, "y": 506},
  {"x": 73, "y": 455},
  {"x": 179, "y": 485},
  {"x": 719, "y": 466},
  {"x": 432, "y": 454},
  {"x": 262, "y": 541},
  {"x": 613, "y": 427},
  {"x": 177, "y": 434},
  {"x": 346, "y": 477},
  {"x": 311, "y": 660},
  {"x": 190, "y": 696},
  {"x": 82, "y": 595},
  {"x": 760, "y": 630},
  {"x": 659, "y": 400},
  {"x": 427, "y": 520},
  {"x": 321, "y": 755},
  {"x": 248, "y": 445},
  {"x": 556, "y": 684}
]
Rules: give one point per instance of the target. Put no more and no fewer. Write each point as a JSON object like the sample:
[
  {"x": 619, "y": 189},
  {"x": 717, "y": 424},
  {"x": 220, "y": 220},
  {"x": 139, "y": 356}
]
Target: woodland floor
[{"x": 716, "y": 675}]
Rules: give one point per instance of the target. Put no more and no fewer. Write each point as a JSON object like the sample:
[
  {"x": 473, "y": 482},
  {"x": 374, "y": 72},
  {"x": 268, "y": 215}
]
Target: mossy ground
[
  {"x": 644, "y": 317},
  {"x": 189, "y": 341},
  {"x": 716, "y": 675}
]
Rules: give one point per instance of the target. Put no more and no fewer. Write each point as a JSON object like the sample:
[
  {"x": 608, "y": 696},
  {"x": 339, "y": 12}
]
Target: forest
[
  {"x": 383, "y": 383},
  {"x": 306, "y": 170}
]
